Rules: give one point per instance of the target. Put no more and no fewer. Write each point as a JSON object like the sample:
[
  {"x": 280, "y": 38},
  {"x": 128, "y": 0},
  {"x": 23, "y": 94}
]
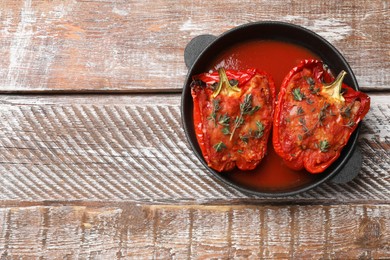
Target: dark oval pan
[{"x": 204, "y": 48}]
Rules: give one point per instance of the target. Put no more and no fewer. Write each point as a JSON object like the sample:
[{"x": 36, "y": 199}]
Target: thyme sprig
[
  {"x": 224, "y": 120},
  {"x": 322, "y": 114},
  {"x": 260, "y": 130},
  {"x": 219, "y": 146},
  {"x": 216, "y": 108},
  {"x": 258, "y": 133},
  {"x": 324, "y": 146},
  {"x": 246, "y": 108},
  {"x": 302, "y": 122}
]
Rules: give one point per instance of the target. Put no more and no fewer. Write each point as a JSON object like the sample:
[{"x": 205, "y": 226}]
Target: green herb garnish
[
  {"x": 347, "y": 112},
  {"x": 213, "y": 115},
  {"x": 300, "y": 111},
  {"x": 302, "y": 122},
  {"x": 246, "y": 108},
  {"x": 244, "y": 138},
  {"x": 219, "y": 146},
  {"x": 297, "y": 94},
  {"x": 322, "y": 114},
  {"x": 226, "y": 131},
  {"x": 350, "y": 123},
  {"x": 224, "y": 120},
  {"x": 324, "y": 146},
  {"x": 260, "y": 130}
]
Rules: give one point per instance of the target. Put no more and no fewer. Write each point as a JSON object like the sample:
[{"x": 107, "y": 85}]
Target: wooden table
[{"x": 94, "y": 162}]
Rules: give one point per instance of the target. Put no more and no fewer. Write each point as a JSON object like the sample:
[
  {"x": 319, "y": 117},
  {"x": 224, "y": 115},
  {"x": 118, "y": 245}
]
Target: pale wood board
[
  {"x": 128, "y": 231},
  {"x": 67, "y": 45},
  {"x": 133, "y": 148}
]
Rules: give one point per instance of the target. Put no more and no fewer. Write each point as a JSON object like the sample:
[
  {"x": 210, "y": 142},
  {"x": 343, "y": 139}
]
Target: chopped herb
[
  {"x": 226, "y": 131},
  {"x": 324, "y": 146},
  {"x": 300, "y": 111},
  {"x": 245, "y": 109},
  {"x": 260, "y": 130},
  {"x": 322, "y": 114},
  {"x": 216, "y": 107},
  {"x": 302, "y": 122},
  {"x": 219, "y": 146},
  {"x": 224, "y": 120},
  {"x": 313, "y": 109},
  {"x": 246, "y": 106},
  {"x": 240, "y": 151},
  {"x": 309, "y": 101},
  {"x": 254, "y": 109},
  {"x": 288, "y": 120},
  {"x": 297, "y": 94},
  {"x": 300, "y": 137},
  {"x": 244, "y": 138},
  {"x": 350, "y": 123},
  {"x": 310, "y": 81},
  {"x": 314, "y": 90},
  {"x": 347, "y": 112}
]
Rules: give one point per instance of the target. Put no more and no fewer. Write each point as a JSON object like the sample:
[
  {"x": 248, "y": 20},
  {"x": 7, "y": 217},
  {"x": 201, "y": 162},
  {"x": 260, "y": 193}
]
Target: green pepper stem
[
  {"x": 224, "y": 84},
  {"x": 334, "y": 89}
]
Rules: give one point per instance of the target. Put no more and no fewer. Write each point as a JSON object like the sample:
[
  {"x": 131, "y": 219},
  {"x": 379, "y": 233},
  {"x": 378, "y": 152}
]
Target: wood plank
[
  {"x": 127, "y": 148},
  {"x": 195, "y": 232},
  {"x": 119, "y": 46}
]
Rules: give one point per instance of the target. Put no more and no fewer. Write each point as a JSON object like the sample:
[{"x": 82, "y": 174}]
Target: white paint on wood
[
  {"x": 20, "y": 53},
  {"x": 121, "y": 12},
  {"x": 330, "y": 28}
]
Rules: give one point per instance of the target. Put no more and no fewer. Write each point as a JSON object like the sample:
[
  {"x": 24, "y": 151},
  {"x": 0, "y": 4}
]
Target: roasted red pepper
[
  {"x": 233, "y": 112},
  {"x": 314, "y": 117}
]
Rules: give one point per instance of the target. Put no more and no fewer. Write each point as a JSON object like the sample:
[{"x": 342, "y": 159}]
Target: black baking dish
[{"x": 204, "y": 48}]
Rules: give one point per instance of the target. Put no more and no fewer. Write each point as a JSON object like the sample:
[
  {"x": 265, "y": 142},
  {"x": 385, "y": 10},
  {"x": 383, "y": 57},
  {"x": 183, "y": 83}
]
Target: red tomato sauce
[{"x": 277, "y": 58}]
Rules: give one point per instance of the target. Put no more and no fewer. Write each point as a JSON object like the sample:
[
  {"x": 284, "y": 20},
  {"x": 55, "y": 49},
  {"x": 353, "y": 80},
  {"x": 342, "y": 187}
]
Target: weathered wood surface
[
  {"x": 128, "y": 231},
  {"x": 67, "y": 45},
  {"x": 112, "y": 176},
  {"x": 133, "y": 148}
]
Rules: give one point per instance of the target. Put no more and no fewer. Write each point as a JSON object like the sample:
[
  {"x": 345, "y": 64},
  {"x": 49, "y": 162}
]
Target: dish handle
[{"x": 195, "y": 47}]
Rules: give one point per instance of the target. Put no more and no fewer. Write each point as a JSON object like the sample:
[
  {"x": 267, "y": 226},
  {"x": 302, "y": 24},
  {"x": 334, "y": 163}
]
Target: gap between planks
[{"x": 133, "y": 91}]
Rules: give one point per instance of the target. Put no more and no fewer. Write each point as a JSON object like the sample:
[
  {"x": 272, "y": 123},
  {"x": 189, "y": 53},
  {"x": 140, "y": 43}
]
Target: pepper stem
[
  {"x": 334, "y": 89},
  {"x": 224, "y": 84}
]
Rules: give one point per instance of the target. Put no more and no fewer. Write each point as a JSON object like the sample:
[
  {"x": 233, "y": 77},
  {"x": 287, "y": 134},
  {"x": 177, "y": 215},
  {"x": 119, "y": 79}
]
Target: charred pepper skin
[
  {"x": 315, "y": 116},
  {"x": 233, "y": 112}
]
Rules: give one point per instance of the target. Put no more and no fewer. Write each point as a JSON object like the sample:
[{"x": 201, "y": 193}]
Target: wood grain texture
[
  {"x": 128, "y": 231},
  {"x": 119, "y": 46},
  {"x": 133, "y": 148}
]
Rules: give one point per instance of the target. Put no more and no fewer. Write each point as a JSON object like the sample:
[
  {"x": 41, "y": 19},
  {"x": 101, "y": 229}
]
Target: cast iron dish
[{"x": 204, "y": 48}]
